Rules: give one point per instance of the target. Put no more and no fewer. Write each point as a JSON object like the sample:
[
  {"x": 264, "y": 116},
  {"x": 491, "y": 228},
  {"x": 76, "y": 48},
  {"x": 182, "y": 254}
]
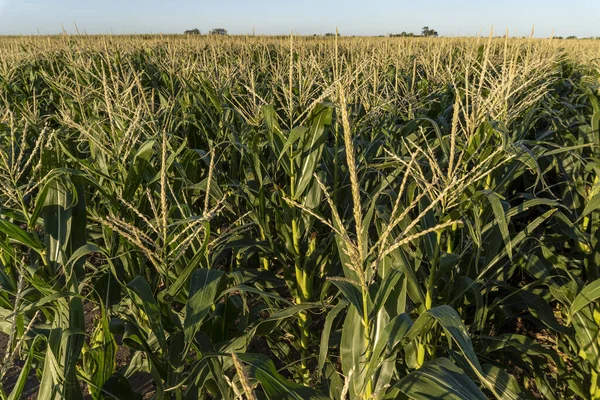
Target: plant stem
[
  {"x": 450, "y": 247},
  {"x": 367, "y": 326},
  {"x": 302, "y": 283}
]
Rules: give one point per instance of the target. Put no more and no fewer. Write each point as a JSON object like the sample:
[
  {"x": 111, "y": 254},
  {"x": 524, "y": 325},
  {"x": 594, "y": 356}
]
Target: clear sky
[{"x": 305, "y": 17}]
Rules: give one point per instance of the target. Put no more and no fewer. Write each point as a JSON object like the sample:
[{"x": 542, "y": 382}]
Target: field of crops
[{"x": 299, "y": 218}]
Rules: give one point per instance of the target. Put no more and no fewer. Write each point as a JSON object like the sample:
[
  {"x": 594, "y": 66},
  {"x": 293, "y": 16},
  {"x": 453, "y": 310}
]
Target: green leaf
[
  {"x": 392, "y": 334},
  {"x": 588, "y": 294},
  {"x": 311, "y": 154},
  {"x": 78, "y": 232},
  {"x": 100, "y": 361},
  {"x": 203, "y": 291},
  {"x": 17, "y": 391},
  {"x": 501, "y": 219},
  {"x": 75, "y": 342},
  {"x": 592, "y": 205},
  {"x": 41, "y": 196},
  {"x": 352, "y": 352},
  {"x": 331, "y": 315},
  {"x": 52, "y": 372},
  {"x": 440, "y": 379},
  {"x": 51, "y": 298},
  {"x": 504, "y": 382},
  {"x": 144, "y": 292},
  {"x": 275, "y": 386},
  {"x": 139, "y": 169},
  {"x": 540, "y": 309},
  {"x": 82, "y": 252},
  {"x": 57, "y": 213},
  {"x": 452, "y": 324},
  {"x": 268, "y": 325},
  {"x": 596, "y": 126},
  {"x": 587, "y": 333},
  {"x": 18, "y": 235},
  {"x": 293, "y": 137},
  {"x": 351, "y": 292},
  {"x": 438, "y": 133},
  {"x": 250, "y": 289},
  {"x": 517, "y": 239},
  {"x": 175, "y": 288},
  {"x": 383, "y": 292},
  {"x": 404, "y": 263}
]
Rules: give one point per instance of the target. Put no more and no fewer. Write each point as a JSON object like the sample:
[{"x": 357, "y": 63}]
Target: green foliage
[{"x": 300, "y": 218}]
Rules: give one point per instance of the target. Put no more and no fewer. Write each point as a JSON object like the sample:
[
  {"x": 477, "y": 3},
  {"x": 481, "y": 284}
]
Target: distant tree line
[
  {"x": 403, "y": 34},
  {"x": 575, "y": 37},
  {"x": 216, "y": 31},
  {"x": 426, "y": 31}
]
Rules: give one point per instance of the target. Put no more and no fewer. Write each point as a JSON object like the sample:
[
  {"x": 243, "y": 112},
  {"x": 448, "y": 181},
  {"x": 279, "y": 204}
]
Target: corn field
[{"x": 299, "y": 218}]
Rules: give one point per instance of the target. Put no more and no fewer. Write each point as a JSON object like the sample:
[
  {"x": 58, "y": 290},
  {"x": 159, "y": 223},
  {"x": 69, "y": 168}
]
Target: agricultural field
[{"x": 299, "y": 218}]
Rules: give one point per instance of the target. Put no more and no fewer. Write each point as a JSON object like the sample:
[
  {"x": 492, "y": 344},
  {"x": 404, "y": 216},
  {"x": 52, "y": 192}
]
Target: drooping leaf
[
  {"x": 203, "y": 291},
  {"x": 331, "y": 315},
  {"x": 501, "y": 219},
  {"x": 440, "y": 379},
  {"x": 352, "y": 351},
  {"x": 592, "y": 205},
  {"x": 311, "y": 154},
  {"x": 589, "y": 294},
  {"x": 19, "y": 235},
  {"x": 351, "y": 292},
  {"x": 392, "y": 334},
  {"x": 142, "y": 289},
  {"x": 587, "y": 333},
  {"x": 275, "y": 386}
]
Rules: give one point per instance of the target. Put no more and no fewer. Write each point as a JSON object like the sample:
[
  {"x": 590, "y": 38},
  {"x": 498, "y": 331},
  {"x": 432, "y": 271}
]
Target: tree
[
  {"x": 331, "y": 34},
  {"x": 194, "y": 31},
  {"x": 403, "y": 34},
  {"x": 218, "y": 31},
  {"x": 429, "y": 32}
]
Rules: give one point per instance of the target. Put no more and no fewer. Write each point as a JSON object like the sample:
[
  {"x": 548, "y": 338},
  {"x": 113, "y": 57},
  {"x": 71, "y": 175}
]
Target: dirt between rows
[{"x": 140, "y": 382}]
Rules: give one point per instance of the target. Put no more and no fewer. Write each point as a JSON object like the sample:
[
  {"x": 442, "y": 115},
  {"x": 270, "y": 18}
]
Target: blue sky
[{"x": 353, "y": 17}]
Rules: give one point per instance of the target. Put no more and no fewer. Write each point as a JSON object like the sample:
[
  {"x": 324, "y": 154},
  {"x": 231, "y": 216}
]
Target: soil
[
  {"x": 9, "y": 380},
  {"x": 140, "y": 382},
  {"x": 3, "y": 344}
]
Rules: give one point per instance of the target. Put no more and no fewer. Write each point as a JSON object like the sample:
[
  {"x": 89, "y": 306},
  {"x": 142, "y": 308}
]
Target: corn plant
[{"x": 299, "y": 218}]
